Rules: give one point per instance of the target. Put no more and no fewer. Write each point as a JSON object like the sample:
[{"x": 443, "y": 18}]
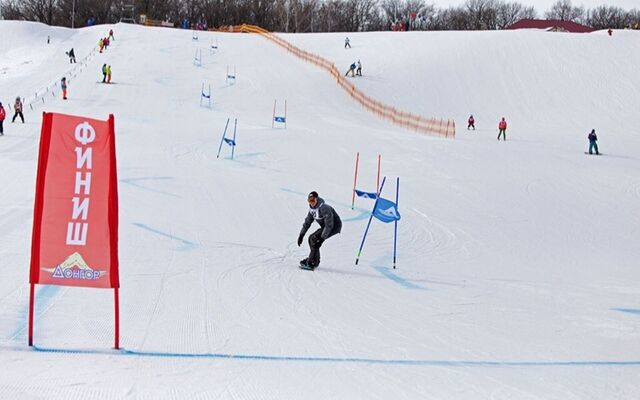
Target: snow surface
[{"x": 517, "y": 262}]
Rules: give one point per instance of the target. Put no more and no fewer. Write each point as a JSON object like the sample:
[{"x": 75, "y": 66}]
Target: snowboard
[
  {"x": 307, "y": 267},
  {"x": 593, "y": 154}
]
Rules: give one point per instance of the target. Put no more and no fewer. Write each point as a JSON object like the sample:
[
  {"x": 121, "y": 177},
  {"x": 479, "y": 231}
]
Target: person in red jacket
[
  {"x": 471, "y": 123},
  {"x": 3, "y": 115},
  {"x": 502, "y": 129}
]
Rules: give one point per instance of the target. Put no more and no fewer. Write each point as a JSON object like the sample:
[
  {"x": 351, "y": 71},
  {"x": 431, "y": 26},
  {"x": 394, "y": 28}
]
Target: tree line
[{"x": 316, "y": 15}]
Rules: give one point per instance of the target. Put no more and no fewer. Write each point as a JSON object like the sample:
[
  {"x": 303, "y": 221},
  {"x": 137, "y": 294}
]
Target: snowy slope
[{"x": 517, "y": 261}]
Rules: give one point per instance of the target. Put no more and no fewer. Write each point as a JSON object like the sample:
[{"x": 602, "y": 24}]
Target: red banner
[{"x": 75, "y": 224}]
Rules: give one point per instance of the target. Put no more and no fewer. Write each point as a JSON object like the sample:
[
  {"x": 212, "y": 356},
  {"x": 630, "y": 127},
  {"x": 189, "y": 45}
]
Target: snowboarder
[
  {"x": 592, "y": 142},
  {"x": 346, "y": 42},
  {"x": 3, "y": 115},
  {"x": 330, "y": 224},
  {"x": 108, "y": 73},
  {"x": 17, "y": 108},
  {"x": 471, "y": 123},
  {"x": 104, "y": 73},
  {"x": 72, "y": 56},
  {"x": 359, "y": 69},
  {"x": 502, "y": 129},
  {"x": 63, "y": 85},
  {"x": 352, "y": 69},
  {"x": 111, "y": 34}
]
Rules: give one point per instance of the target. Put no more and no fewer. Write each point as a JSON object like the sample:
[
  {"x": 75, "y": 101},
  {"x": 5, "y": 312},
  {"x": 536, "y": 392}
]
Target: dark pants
[
  {"x": 16, "y": 114},
  {"x": 471, "y": 126},
  {"x": 593, "y": 145},
  {"x": 1, "y": 128},
  {"x": 315, "y": 242},
  {"x": 104, "y": 77},
  {"x": 502, "y": 132}
]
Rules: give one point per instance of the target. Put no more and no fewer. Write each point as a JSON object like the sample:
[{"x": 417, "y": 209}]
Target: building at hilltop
[{"x": 551, "y": 25}]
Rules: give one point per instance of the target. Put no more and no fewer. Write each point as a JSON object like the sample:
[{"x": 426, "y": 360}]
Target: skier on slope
[
  {"x": 108, "y": 74},
  {"x": 471, "y": 123},
  {"x": 104, "y": 73},
  {"x": 502, "y": 129},
  {"x": 359, "y": 69},
  {"x": 3, "y": 115},
  {"x": 63, "y": 86},
  {"x": 17, "y": 108},
  {"x": 347, "y": 42},
  {"x": 352, "y": 69},
  {"x": 72, "y": 56},
  {"x": 330, "y": 224},
  {"x": 592, "y": 142}
]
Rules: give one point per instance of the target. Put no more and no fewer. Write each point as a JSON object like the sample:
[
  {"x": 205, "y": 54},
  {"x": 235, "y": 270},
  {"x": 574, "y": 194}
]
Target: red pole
[
  {"x": 378, "y": 177},
  {"x": 31, "y": 301},
  {"x": 117, "y": 315},
  {"x": 355, "y": 178}
]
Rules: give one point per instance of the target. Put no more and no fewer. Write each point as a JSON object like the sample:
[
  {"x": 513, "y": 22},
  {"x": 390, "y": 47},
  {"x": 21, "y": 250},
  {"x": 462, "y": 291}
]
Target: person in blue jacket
[{"x": 592, "y": 142}]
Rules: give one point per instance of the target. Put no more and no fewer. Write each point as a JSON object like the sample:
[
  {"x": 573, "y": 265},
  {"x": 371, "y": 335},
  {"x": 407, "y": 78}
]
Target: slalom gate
[{"x": 431, "y": 126}]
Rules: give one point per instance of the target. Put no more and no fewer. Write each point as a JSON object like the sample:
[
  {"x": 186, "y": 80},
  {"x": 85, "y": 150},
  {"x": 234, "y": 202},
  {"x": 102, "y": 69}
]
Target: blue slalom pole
[
  {"x": 395, "y": 229},
  {"x": 222, "y": 140},
  {"x": 369, "y": 223},
  {"x": 235, "y": 124}
]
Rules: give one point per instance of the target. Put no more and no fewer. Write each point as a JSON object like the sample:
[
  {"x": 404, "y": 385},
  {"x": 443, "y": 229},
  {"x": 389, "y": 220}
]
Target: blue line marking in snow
[
  {"x": 628, "y": 310},
  {"x": 352, "y": 360},
  {"x": 388, "y": 272},
  {"x": 43, "y": 296},
  {"x": 132, "y": 182},
  {"x": 187, "y": 245}
]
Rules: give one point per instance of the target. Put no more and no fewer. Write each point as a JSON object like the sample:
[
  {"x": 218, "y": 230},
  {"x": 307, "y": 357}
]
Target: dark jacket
[
  {"x": 592, "y": 137},
  {"x": 324, "y": 215}
]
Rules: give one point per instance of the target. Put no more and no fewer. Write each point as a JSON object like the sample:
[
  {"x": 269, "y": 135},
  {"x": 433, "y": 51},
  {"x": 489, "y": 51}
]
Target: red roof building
[{"x": 551, "y": 25}]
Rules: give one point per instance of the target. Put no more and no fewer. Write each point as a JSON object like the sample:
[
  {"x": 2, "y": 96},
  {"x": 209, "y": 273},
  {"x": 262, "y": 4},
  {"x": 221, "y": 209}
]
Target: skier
[
  {"x": 111, "y": 34},
  {"x": 72, "y": 56},
  {"x": 63, "y": 85},
  {"x": 352, "y": 69},
  {"x": 17, "y": 107},
  {"x": 471, "y": 123},
  {"x": 101, "y": 44},
  {"x": 108, "y": 73},
  {"x": 592, "y": 142},
  {"x": 3, "y": 115},
  {"x": 330, "y": 224},
  {"x": 104, "y": 73},
  {"x": 502, "y": 129},
  {"x": 359, "y": 69},
  {"x": 346, "y": 42}
]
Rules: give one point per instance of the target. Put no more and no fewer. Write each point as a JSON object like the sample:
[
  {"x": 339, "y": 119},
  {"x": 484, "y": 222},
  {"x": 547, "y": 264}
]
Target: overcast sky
[{"x": 543, "y": 5}]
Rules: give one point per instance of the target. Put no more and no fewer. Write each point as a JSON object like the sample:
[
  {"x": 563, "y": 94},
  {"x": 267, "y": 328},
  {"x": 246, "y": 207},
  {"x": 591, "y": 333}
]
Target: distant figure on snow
[
  {"x": 347, "y": 43},
  {"x": 104, "y": 73},
  {"x": 592, "y": 142},
  {"x": 17, "y": 108},
  {"x": 72, "y": 56},
  {"x": 359, "y": 69},
  {"x": 101, "y": 44},
  {"x": 63, "y": 86},
  {"x": 610, "y": 31},
  {"x": 352, "y": 69},
  {"x": 3, "y": 115},
  {"x": 330, "y": 224},
  {"x": 108, "y": 73},
  {"x": 471, "y": 123},
  {"x": 111, "y": 34},
  {"x": 502, "y": 129}
]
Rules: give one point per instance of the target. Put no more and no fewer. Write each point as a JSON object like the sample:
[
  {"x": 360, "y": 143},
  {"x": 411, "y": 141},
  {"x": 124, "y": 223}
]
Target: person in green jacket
[{"x": 108, "y": 73}]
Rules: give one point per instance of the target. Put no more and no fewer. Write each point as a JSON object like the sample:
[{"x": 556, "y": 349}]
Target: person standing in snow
[
  {"x": 471, "y": 123},
  {"x": 592, "y": 142},
  {"x": 63, "y": 86},
  {"x": 104, "y": 73},
  {"x": 111, "y": 34},
  {"x": 17, "y": 108},
  {"x": 359, "y": 69},
  {"x": 3, "y": 115},
  {"x": 72, "y": 56},
  {"x": 101, "y": 44},
  {"x": 502, "y": 129},
  {"x": 352, "y": 69},
  {"x": 108, "y": 73},
  {"x": 347, "y": 43},
  {"x": 330, "y": 224}
]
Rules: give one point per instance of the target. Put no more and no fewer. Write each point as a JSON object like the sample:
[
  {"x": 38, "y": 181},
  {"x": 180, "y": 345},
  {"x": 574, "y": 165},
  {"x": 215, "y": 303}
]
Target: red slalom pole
[
  {"x": 31, "y": 301},
  {"x": 355, "y": 179},
  {"x": 117, "y": 317}
]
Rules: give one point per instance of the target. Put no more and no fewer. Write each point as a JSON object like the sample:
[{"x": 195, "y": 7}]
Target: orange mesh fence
[{"x": 431, "y": 126}]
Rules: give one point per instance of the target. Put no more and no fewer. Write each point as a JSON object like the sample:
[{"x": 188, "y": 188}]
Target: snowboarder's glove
[{"x": 300, "y": 239}]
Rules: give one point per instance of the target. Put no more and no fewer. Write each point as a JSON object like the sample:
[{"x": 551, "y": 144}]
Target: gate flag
[
  {"x": 386, "y": 211},
  {"x": 75, "y": 224}
]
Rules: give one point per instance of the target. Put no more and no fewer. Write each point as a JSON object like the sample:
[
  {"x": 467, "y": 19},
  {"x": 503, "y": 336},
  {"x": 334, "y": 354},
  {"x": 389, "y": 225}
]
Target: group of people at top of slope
[
  {"x": 103, "y": 43},
  {"x": 502, "y": 131}
]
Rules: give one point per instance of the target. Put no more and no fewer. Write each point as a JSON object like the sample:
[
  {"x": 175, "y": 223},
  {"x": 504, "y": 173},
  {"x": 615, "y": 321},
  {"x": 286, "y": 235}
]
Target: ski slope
[{"x": 517, "y": 262}]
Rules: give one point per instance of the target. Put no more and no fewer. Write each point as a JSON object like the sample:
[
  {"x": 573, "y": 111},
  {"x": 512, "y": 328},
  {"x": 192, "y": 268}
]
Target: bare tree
[
  {"x": 482, "y": 14},
  {"x": 563, "y": 10},
  {"x": 510, "y": 13},
  {"x": 604, "y": 17}
]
